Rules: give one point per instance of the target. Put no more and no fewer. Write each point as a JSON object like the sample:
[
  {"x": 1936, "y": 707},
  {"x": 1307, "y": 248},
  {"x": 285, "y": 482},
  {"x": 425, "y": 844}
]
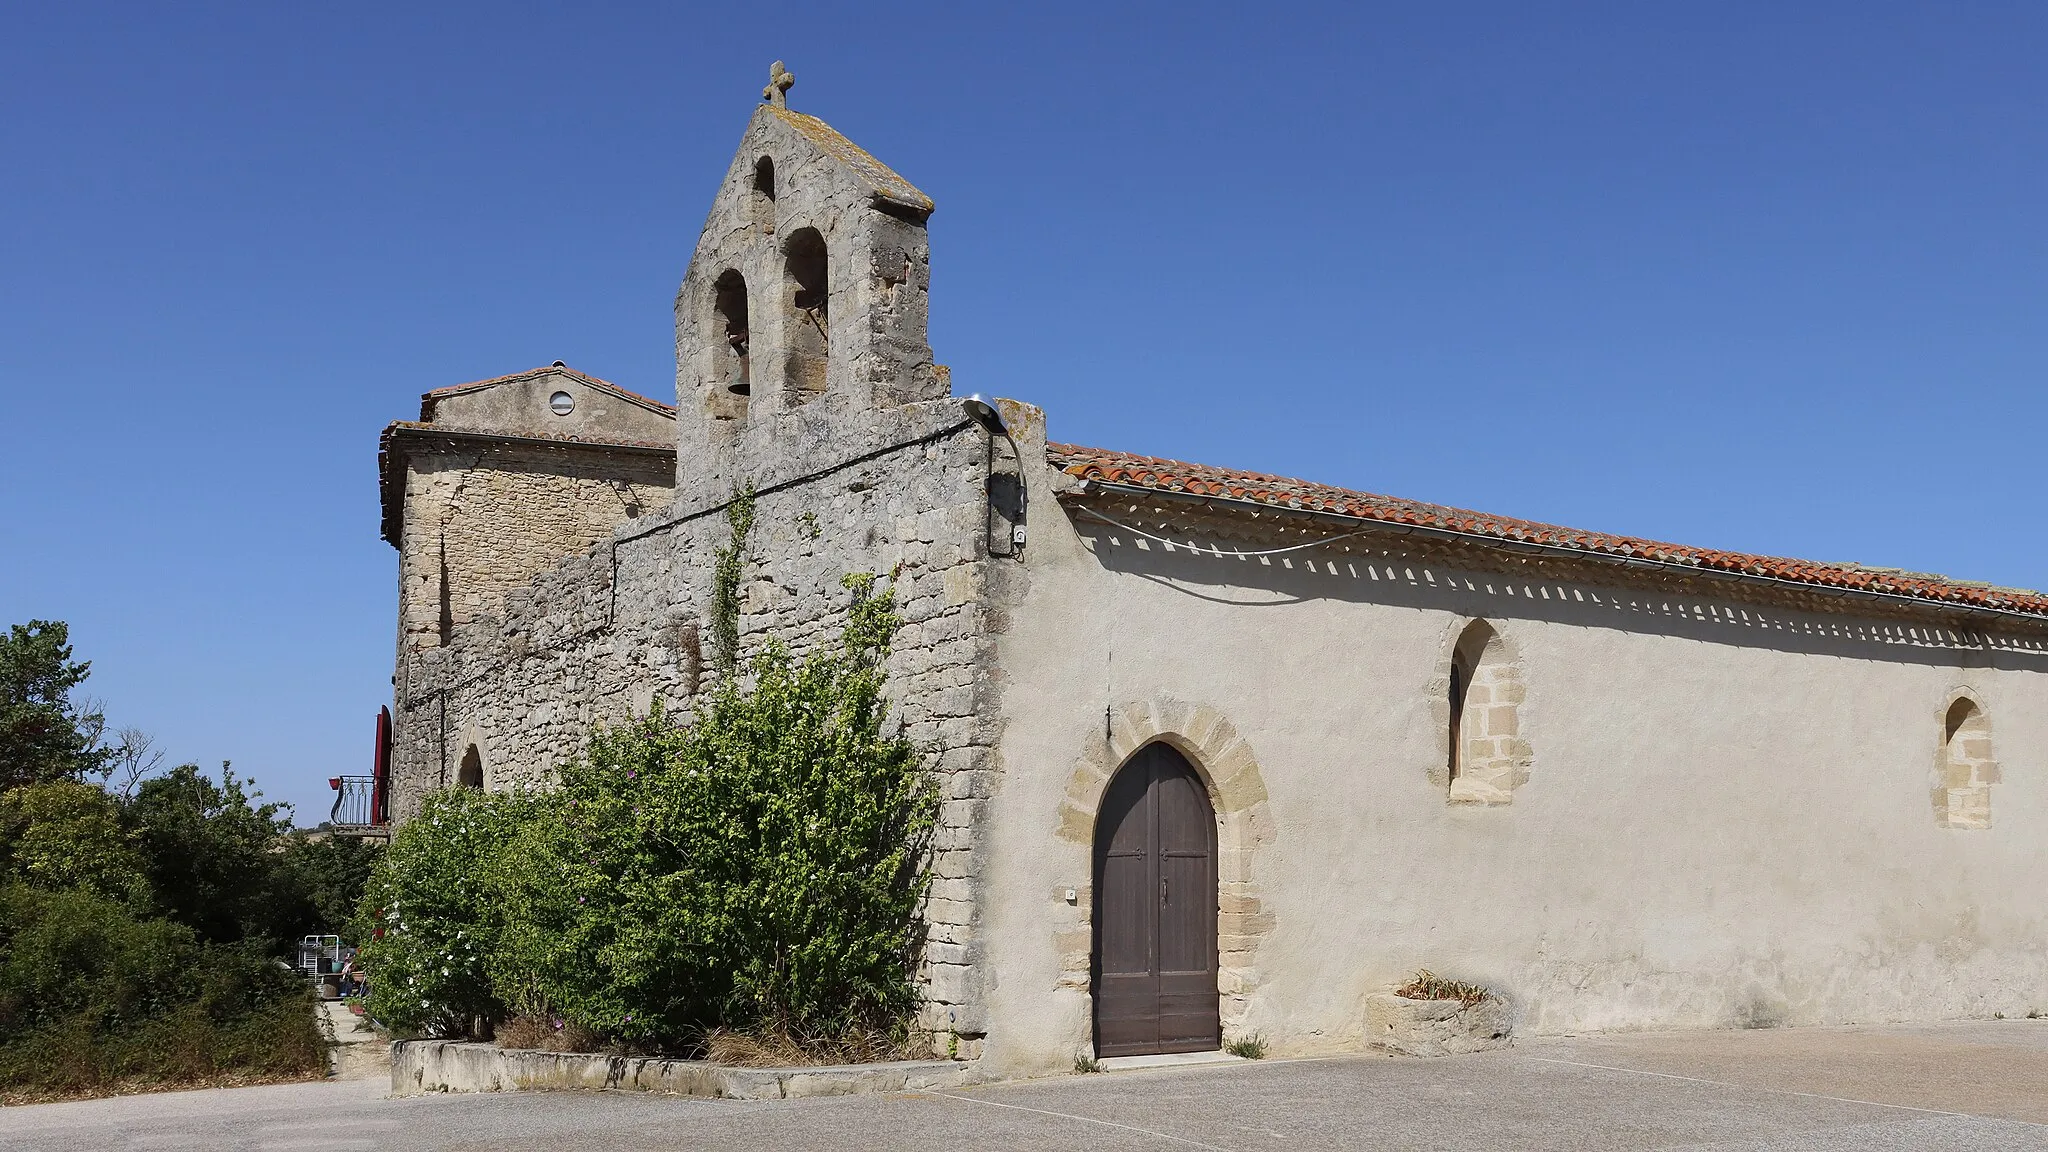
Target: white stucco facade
[{"x": 1726, "y": 822}]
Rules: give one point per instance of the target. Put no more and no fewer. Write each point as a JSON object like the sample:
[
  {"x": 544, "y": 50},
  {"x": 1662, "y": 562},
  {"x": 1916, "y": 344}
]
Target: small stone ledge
[
  {"x": 1436, "y": 1027},
  {"x": 422, "y": 1066}
]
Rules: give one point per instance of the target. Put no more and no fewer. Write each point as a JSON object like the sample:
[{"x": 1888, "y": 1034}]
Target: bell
[{"x": 738, "y": 385}]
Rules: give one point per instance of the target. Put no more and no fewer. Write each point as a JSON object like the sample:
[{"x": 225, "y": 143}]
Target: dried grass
[
  {"x": 780, "y": 1048},
  {"x": 1428, "y": 985},
  {"x": 141, "y": 1085},
  {"x": 78, "y": 1058},
  {"x": 547, "y": 1034}
]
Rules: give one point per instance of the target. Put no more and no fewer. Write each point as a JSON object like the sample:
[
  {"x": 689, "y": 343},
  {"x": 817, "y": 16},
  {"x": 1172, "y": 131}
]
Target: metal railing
[{"x": 355, "y": 804}]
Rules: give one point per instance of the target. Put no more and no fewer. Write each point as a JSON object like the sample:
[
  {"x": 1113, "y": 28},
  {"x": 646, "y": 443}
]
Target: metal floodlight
[{"x": 985, "y": 415}]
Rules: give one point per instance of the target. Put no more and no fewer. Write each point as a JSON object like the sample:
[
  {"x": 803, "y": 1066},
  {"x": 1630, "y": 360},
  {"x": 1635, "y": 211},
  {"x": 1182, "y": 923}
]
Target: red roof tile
[{"x": 1283, "y": 492}]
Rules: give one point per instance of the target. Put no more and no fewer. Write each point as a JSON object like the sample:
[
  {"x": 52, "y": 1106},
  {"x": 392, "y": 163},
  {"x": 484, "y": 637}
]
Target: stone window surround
[
  {"x": 1965, "y": 764},
  {"x": 1244, "y": 824},
  {"x": 1498, "y": 757}
]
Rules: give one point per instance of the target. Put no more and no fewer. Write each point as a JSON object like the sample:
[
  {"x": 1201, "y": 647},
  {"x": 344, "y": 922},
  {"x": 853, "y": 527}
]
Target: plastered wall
[{"x": 1724, "y": 819}]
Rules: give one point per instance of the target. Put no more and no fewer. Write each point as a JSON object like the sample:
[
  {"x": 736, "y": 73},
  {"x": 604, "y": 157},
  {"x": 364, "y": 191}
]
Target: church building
[{"x": 1225, "y": 753}]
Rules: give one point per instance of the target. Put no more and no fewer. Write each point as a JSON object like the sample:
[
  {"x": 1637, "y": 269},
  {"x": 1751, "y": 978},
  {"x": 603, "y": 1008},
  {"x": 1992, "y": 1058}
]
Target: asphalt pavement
[{"x": 1969, "y": 1086}]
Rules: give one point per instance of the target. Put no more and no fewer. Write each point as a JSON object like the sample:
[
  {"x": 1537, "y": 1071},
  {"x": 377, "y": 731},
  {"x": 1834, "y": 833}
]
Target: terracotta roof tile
[{"x": 1281, "y": 491}]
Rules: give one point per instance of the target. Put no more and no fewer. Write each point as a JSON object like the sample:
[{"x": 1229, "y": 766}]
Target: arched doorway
[{"x": 1155, "y": 910}]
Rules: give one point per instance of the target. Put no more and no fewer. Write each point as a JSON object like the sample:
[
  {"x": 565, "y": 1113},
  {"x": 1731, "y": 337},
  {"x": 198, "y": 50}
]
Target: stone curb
[{"x": 422, "y": 1066}]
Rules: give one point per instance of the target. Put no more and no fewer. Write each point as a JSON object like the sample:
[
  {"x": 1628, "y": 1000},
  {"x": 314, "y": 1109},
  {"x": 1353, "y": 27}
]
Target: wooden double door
[{"x": 1155, "y": 910}]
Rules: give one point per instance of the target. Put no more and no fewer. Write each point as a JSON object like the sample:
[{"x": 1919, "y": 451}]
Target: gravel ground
[{"x": 1970, "y": 1086}]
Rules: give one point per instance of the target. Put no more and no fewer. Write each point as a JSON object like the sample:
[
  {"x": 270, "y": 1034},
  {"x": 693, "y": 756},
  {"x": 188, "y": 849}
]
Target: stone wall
[
  {"x": 484, "y": 517},
  {"x": 1967, "y": 769},
  {"x": 803, "y": 373},
  {"x": 522, "y": 405},
  {"x": 598, "y": 638}
]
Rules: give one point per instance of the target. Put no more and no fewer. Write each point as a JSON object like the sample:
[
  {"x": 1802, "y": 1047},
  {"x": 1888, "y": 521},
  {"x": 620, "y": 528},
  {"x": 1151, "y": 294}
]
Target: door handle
[{"x": 1162, "y": 889}]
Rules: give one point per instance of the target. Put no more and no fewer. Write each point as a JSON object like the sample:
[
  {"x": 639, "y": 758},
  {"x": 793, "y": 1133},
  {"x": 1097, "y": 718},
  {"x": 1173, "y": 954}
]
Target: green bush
[
  {"x": 758, "y": 868},
  {"x": 91, "y": 995},
  {"x": 432, "y": 912},
  {"x": 134, "y": 929}
]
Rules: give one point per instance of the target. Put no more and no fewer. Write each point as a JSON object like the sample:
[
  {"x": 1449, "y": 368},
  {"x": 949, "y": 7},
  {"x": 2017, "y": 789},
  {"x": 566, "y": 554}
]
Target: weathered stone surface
[
  {"x": 1436, "y": 1027},
  {"x": 859, "y": 462},
  {"x": 421, "y": 1066}
]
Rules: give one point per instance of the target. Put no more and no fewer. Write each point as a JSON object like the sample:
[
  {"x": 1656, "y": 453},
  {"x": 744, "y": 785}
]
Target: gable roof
[
  {"x": 880, "y": 179},
  {"x": 1201, "y": 481},
  {"x": 557, "y": 368}
]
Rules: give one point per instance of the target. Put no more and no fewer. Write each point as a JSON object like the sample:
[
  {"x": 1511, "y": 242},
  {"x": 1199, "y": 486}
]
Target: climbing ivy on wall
[{"x": 728, "y": 563}]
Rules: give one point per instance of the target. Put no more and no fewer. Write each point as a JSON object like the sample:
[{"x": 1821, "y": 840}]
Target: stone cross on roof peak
[{"x": 780, "y": 80}]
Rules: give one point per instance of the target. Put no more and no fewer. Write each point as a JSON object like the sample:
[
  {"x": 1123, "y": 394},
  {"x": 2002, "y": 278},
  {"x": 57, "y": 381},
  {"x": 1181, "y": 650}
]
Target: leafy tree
[
  {"x": 44, "y": 733},
  {"x": 64, "y": 834},
  {"x": 320, "y": 882},
  {"x": 210, "y": 854},
  {"x": 97, "y": 990}
]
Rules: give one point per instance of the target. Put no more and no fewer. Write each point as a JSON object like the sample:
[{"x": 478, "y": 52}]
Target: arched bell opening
[
  {"x": 807, "y": 314},
  {"x": 733, "y": 377}
]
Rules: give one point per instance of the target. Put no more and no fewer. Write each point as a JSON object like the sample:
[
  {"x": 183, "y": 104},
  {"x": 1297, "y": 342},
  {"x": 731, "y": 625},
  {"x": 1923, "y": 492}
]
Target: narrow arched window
[
  {"x": 1487, "y": 757},
  {"x": 807, "y": 314},
  {"x": 471, "y": 773},
  {"x": 1461, "y": 680},
  {"x": 729, "y": 309},
  {"x": 761, "y": 194},
  {"x": 1967, "y": 769}
]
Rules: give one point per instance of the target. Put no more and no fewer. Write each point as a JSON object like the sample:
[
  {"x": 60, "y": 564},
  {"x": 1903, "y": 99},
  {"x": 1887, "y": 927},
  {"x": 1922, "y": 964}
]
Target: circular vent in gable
[{"x": 561, "y": 403}]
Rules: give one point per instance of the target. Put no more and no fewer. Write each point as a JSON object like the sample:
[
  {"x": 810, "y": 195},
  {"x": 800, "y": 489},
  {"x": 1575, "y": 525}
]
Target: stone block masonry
[
  {"x": 482, "y": 518},
  {"x": 602, "y": 636},
  {"x": 803, "y": 372}
]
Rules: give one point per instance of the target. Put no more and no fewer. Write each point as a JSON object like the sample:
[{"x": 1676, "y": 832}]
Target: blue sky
[{"x": 1768, "y": 277}]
